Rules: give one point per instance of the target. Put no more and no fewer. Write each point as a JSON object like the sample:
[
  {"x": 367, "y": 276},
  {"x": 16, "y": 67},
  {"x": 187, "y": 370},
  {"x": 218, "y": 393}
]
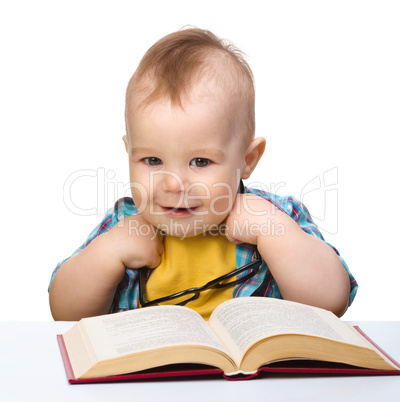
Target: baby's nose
[{"x": 171, "y": 182}]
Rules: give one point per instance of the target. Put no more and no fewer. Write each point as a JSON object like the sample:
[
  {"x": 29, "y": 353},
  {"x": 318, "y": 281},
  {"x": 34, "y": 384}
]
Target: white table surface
[{"x": 31, "y": 369}]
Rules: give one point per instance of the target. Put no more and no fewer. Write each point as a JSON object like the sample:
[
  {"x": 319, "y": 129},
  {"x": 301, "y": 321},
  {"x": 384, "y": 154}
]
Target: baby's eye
[
  {"x": 153, "y": 161},
  {"x": 200, "y": 162}
]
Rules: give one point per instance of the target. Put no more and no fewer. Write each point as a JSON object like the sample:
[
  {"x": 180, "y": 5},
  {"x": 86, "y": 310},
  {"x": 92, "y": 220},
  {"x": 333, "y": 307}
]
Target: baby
[{"x": 190, "y": 139}]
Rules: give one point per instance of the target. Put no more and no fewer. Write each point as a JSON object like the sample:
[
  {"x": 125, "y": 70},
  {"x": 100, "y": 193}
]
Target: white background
[{"x": 328, "y": 103}]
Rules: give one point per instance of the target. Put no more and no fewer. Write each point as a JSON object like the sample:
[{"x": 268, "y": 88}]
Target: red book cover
[{"x": 203, "y": 371}]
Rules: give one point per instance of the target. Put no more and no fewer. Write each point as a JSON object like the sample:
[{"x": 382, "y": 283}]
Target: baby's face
[{"x": 185, "y": 165}]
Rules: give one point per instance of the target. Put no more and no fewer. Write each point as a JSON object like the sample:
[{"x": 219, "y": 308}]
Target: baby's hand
[
  {"x": 137, "y": 243},
  {"x": 250, "y": 217}
]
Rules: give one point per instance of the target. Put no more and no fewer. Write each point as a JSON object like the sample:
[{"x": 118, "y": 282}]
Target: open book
[{"x": 243, "y": 337}]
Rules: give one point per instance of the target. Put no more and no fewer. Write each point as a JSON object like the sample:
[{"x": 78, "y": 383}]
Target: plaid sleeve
[
  {"x": 298, "y": 211},
  {"x": 122, "y": 208}
]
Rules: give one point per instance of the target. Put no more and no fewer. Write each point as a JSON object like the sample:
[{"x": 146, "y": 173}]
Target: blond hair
[{"x": 177, "y": 62}]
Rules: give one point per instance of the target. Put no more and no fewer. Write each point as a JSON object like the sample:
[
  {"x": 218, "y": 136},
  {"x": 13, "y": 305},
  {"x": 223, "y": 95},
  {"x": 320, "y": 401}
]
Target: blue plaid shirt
[{"x": 262, "y": 284}]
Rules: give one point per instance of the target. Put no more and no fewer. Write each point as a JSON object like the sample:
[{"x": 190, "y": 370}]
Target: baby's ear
[
  {"x": 125, "y": 139},
  {"x": 253, "y": 155}
]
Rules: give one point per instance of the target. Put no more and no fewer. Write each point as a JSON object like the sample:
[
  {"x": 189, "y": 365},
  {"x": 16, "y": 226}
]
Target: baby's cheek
[
  {"x": 221, "y": 206},
  {"x": 222, "y": 200},
  {"x": 140, "y": 197}
]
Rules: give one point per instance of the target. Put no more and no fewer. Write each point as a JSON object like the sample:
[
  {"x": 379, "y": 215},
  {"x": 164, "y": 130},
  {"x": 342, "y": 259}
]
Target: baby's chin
[{"x": 184, "y": 231}]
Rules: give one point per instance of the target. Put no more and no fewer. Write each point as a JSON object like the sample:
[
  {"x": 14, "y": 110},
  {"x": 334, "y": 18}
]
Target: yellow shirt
[{"x": 192, "y": 262}]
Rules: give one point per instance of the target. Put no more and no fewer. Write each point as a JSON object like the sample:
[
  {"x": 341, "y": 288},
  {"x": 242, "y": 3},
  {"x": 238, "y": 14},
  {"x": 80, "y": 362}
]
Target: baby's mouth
[{"x": 178, "y": 211}]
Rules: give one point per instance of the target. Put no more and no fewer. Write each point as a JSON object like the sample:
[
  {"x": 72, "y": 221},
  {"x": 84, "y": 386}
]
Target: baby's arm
[
  {"x": 305, "y": 268},
  {"x": 85, "y": 284}
]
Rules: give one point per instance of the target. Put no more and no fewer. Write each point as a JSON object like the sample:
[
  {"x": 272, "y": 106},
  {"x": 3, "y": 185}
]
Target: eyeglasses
[{"x": 194, "y": 293}]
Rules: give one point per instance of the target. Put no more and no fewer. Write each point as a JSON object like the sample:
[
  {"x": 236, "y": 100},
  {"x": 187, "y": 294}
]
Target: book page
[
  {"x": 134, "y": 331},
  {"x": 242, "y": 322}
]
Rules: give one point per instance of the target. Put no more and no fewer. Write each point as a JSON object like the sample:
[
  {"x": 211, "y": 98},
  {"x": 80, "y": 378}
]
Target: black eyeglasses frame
[{"x": 214, "y": 284}]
